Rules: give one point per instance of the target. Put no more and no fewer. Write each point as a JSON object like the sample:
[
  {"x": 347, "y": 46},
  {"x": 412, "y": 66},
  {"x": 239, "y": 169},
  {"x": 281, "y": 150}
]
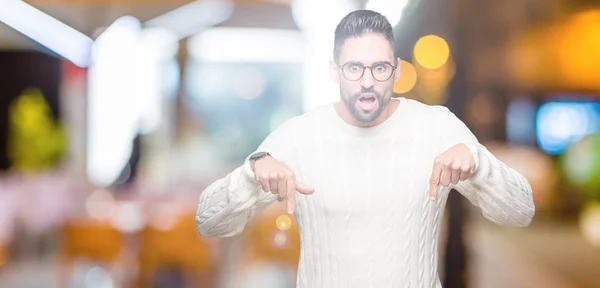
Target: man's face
[{"x": 367, "y": 96}]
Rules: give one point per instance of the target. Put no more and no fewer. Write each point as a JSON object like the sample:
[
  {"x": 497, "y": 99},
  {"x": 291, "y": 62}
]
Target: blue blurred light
[{"x": 560, "y": 124}]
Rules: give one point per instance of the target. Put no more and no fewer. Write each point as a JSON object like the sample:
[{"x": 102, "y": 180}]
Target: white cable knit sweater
[{"x": 370, "y": 222}]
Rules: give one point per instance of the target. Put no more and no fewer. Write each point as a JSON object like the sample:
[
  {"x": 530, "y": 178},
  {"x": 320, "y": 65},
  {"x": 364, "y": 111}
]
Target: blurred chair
[
  {"x": 91, "y": 241},
  {"x": 177, "y": 249}
]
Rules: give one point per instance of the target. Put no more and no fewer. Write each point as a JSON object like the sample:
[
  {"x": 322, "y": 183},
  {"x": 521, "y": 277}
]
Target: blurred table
[{"x": 546, "y": 255}]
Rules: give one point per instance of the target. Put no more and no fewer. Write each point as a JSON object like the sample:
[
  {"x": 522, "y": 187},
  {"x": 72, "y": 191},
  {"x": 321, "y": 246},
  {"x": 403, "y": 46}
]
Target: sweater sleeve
[
  {"x": 227, "y": 204},
  {"x": 503, "y": 194}
]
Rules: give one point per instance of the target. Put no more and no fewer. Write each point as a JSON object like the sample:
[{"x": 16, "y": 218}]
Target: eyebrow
[{"x": 374, "y": 64}]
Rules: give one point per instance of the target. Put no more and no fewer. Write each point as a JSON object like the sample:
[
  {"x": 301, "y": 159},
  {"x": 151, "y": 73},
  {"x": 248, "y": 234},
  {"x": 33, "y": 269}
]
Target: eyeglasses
[{"x": 381, "y": 71}]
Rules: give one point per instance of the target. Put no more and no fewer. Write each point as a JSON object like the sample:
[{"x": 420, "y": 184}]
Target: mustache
[{"x": 366, "y": 91}]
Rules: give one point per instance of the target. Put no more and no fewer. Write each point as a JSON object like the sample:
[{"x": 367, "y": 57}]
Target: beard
[{"x": 365, "y": 116}]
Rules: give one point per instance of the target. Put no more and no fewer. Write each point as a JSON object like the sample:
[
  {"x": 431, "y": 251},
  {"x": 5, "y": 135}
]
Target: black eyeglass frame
[{"x": 370, "y": 67}]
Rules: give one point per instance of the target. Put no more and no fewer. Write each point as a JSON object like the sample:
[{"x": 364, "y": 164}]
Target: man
[{"x": 367, "y": 177}]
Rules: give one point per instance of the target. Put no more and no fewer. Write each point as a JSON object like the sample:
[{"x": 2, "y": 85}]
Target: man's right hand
[{"x": 278, "y": 179}]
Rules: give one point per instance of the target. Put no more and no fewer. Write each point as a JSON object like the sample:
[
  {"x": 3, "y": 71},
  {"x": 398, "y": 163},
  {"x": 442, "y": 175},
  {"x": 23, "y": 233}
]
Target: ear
[
  {"x": 397, "y": 72},
  {"x": 333, "y": 72}
]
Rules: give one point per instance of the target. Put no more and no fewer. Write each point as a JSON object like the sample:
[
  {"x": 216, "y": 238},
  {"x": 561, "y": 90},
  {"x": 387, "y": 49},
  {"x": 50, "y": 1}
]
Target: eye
[
  {"x": 380, "y": 68},
  {"x": 354, "y": 68}
]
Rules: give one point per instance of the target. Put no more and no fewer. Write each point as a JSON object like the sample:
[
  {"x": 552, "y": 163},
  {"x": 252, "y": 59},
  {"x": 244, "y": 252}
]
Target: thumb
[{"x": 304, "y": 189}]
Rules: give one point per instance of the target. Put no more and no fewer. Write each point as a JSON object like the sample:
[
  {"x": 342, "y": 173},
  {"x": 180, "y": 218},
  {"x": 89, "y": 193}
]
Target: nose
[{"x": 367, "y": 79}]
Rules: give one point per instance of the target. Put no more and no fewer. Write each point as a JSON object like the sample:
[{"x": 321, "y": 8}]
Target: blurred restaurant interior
[{"x": 115, "y": 115}]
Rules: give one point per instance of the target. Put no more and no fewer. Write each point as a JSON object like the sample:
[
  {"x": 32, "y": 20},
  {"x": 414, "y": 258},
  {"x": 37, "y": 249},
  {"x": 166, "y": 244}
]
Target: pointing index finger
[
  {"x": 291, "y": 202},
  {"x": 291, "y": 195},
  {"x": 435, "y": 180}
]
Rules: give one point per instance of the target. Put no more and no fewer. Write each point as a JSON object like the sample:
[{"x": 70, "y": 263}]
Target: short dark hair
[{"x": 358, "y": 23}]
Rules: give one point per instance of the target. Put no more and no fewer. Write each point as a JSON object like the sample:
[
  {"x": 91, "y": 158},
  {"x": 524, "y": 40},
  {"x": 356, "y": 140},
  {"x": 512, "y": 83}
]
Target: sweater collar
[{"x": 369, "y": 131}]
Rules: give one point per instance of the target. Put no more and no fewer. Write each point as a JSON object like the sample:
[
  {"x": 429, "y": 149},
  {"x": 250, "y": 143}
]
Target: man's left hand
[{"x": 456, "y": 164}]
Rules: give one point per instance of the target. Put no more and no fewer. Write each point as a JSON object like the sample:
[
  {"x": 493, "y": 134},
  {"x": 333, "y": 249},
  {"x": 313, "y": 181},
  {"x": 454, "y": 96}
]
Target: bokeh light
[
  {"x": 408, "y": 78},
  {"x": 283, "y": 222},
  {"x": 164, "y": 216},
  {"x": 440, "y": 76},
  {"x": 431, "y": 51},
  {"x": 280, "y": 239},
  {"x": 100, "y": 204},
  {"x": 589, "y": 223},
  {"x": 559, "y": 124},
  {"x": 581, "y": 163},
  {"x": 128, "y": 217}
]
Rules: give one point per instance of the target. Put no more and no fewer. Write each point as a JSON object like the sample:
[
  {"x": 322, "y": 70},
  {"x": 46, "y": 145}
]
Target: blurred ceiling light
[
  {"x": 431, "y": 51},
  {"x": 320, "y": 17},
  {"x": 253, "y": 45},
  {"x": 125, "y": 93},
  {"x": 123, "y": 32},
  {"x": 113, "y": 120},
  {"x": 156, "y": 47},
  {"x": 408, "y": 78},
  {"x": 49, "y": 32},
  {"x": 392, "y": 9},
  {"x": 194, "y": 17},
  {"x": 159, "y": 43}
]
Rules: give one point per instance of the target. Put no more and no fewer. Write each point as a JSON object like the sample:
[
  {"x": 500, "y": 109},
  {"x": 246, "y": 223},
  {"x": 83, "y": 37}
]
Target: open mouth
[
  {"x": 367, "y": 102},
  {"x": 367, "y": 99}
]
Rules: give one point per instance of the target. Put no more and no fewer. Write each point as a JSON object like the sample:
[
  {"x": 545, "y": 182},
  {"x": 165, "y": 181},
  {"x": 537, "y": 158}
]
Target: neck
[{"x": 347, "y": 116}]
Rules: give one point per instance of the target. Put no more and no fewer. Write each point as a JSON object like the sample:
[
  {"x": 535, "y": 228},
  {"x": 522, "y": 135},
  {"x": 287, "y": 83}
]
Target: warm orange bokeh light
[
  {"x": 408, "y": 78},
  {"x": 560, "y": 56},
  {"x": 431, "y": 51}
]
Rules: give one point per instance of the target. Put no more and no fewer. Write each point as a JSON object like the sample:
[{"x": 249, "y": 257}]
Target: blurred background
[{"x": 115, "y": 115}]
